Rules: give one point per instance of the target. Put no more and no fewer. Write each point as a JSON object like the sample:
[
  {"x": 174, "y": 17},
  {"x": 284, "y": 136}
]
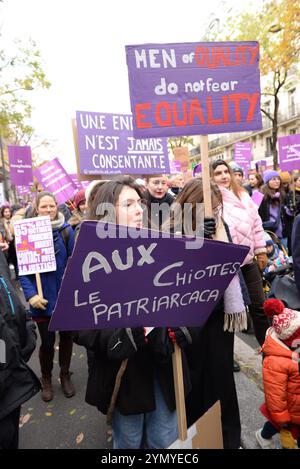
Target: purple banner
[
  {"x": 131, "y": 279},
  {"x": 20, "y": 165},
  {"x": 257, "y": 197},
  {"x": 106, "y": 146},
  {"x": 289, "y": 152},
  {"x": 53, "y": 177},
  {"x": 34, "y": 245},
  {"x": 76, "y": 181},
  {"x": 175, "y": 167},
  {"x": 261, "y": 166},
  {"x": 243, "y": 155},
  {"x": 194, "y": 88},
  {"x": 197, "y": 170},
  {"x": 22, "y": 190}
]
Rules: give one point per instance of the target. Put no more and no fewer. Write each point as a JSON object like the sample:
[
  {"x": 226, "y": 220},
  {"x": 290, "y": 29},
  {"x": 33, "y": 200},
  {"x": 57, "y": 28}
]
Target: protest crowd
[{"x": 141, "y": 409}]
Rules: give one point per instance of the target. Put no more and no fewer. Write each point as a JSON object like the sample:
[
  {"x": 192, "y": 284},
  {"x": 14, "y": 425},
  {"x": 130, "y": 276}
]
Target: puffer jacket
[
  {"x": 281, "y": 377},
  {"x": 244, "y": 222}
]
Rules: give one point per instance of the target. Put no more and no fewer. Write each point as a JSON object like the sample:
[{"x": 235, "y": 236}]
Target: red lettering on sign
[{"x": 140, "y": 115}]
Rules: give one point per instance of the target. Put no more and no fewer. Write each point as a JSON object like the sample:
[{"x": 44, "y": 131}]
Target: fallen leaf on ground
[
  {"x": 24, "y": 419},
  {"x": 48, "y": 414},
  {"x": 79, "y": 438},
  {"x": 72, "y": 412}
]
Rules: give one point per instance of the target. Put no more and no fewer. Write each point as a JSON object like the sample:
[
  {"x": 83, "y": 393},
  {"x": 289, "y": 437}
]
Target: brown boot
[
  {"x": 46, "y": 363},
  {"x": 64, "y": 358},
  {"x": 47, "y": 390},
  {"x": 66, "y": 384}
]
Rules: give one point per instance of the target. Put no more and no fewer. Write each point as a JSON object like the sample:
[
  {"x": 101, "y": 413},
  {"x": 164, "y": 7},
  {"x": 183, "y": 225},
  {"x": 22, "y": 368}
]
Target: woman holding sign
[
  {"x": 210, "y": 357},
  {"x": 143, "y": 414},
  {"x": 43, "y": 306},
  {"x": 241, "y": 215}
]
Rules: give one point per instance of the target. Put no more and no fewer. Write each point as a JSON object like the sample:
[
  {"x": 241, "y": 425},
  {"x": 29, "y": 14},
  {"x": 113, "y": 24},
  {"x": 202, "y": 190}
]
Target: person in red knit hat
[
  {"x": 80, "y": 204},
  {"x": 281, "y": 377}
]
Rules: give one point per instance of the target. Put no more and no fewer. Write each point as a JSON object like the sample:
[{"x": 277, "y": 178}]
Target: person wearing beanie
[
  {"x": 276, "y": 257},
  {"x": 238, "y": 173},
  {"x": 80, "y": 204},
  {"x": 281, "y": 377},
  {"x": 271, "y": 209}
]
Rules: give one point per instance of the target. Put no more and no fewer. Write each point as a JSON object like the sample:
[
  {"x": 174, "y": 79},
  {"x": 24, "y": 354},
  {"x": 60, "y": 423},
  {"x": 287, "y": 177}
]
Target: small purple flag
[
  {"x": 20, "y": 164},
  {"x": 257, "y": 197},
  {"x": 53, "y": 177}
]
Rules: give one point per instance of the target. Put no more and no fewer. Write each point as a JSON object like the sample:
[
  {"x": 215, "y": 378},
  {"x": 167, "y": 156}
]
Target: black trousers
[
  {"x": 48, "y": 337},
  {"x": 253, "y": 280},
  {"x": 9, "y": 430}
]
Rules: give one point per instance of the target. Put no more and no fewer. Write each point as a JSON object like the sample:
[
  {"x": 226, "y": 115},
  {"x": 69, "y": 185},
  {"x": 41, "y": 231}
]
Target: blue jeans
[{"x": 155, "y": 430}]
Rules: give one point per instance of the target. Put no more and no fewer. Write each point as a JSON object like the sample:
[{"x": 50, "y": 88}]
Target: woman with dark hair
[
  {"x": 42, "y": 307},
  {"x": 245, "y": 226},
  {"x": 292, "y": 209},
  {"x": 271, "y": 209},
  {"x": 210, "y": 357},
  {"x": 144, "y": 412}
]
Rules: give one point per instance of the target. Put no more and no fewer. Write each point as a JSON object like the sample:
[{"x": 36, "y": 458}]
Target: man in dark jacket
[
  {"x": 18, "y": 383},
  {"x": 296, "y": 250},
  {"x": 158, "y": 199}
]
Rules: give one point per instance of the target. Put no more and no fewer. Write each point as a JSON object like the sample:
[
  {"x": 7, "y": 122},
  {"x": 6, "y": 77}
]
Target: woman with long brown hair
[
  {"x": 241, "y": 215},
  {"x": 210, "y": 357}
]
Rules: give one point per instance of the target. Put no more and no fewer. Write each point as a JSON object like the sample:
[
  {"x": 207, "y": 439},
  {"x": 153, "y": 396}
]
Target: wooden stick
[
  {"x": 206, "y": 176},
  {"x": 179, "y": 393},
  {"x": 39, "y": 284}
]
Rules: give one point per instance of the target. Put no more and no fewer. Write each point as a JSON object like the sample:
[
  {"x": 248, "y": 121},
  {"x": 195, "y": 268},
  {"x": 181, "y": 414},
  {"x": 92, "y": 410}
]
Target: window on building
[
  {"x": 268, "y": 146},
  {"x": 292, "y": 131},
  {"x": 232, "y": 153},
  {"x": 254, "y": 142},
  {"x": 267, "y": 107},
  {"x": 292, "y": 102}
]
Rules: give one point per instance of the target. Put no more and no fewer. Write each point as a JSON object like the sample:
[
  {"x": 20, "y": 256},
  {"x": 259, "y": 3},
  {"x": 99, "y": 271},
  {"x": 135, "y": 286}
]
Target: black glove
[
  {"x": 180, "y": 336},
  {"x": 209, "y": 227}
]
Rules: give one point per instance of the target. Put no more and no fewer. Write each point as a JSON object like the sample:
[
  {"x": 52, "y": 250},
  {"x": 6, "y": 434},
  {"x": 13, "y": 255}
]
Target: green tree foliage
[
  {"x": 175, "y": 142},
  {"x": 276, "y": 26},
  {"x": 20, "y": 73}
]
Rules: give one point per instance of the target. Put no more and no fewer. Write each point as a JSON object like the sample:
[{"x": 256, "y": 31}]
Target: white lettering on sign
[{"x": 154, "y": 58}]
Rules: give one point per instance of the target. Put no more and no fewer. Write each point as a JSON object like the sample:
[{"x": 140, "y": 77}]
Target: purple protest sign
[
  {"x": 54, "y": 178},
  {"x": 22, "y": 190},
  {"x": 34, "y": 245},
  {"x": 141, "y": 280},
  {"x": 20, "y": 165},
  {"x": 261, "y": 166},
  {"x": 175, "y": 167},
  {"x": 194, "y": 88},
  {"x": 257, "y": 197},
  {"x": 197, "y": 170},
  {"x": 289, "y": 152},
  {"x": 74, "y": 178},
  {"x": 243, "y": 155},
  {"x": 106, "y": 146}
]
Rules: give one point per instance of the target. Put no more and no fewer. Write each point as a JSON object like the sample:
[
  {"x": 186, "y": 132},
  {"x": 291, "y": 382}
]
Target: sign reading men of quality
[
  {"x": 142, "y": 280},
  {"x": 34, "y": 245},
  {"x": 194, "y": 88},
  {"x": 106, "y": 146}
]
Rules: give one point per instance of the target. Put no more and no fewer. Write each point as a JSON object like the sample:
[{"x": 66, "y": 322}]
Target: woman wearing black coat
[{"x": 18, "y": 383}]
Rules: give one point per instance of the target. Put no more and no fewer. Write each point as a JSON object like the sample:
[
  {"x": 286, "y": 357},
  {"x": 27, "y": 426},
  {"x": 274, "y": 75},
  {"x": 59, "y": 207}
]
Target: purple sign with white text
[
  {"x": 120, "y": 278},
  {"x": 175, "y": 167},
  {"x": 106, "y": 146},
  {"x": 54, "y": 178},
  {"x": 243, "y": 155},
  {"x": 34, "y": 245},
  {"x": 289, "y": 152},
  {"x": 197, "y": 170},
  {"x": 20, "y": 165},
  {"x": 194, "y": 88}
]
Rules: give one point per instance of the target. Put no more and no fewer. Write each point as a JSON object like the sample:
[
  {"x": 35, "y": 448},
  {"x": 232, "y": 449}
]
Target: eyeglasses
[{"x": 131, "y": 205}]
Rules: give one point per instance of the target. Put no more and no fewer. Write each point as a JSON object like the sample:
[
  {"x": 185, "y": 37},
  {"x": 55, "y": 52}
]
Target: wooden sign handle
[
  {"x": 39, "y": 284},
  {"x": 205, "y": 176},
  {"x": 179, "y": 393}
]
